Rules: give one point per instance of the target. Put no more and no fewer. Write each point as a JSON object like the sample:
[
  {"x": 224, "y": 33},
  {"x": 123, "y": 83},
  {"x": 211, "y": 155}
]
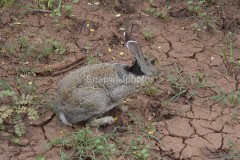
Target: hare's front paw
[{"x": 102, "y": 121}]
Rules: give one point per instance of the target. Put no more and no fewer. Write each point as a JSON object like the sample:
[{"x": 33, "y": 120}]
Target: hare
[{"x": 92, "y": 90}]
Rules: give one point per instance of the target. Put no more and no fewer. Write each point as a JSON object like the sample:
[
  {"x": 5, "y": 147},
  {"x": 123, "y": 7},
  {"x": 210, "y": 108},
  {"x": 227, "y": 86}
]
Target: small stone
[
  {"x": 121, "y": 53},
  {"x": 122, "y": 29},
  {"x": 118, "y": 15},
  {"x": 22, "y": 76}
]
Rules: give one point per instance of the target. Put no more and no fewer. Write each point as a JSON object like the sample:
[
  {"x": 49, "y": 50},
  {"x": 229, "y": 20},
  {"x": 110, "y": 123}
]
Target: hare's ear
[
  {"x": 127, "y": 37},
  {"x": 133, "y": 47}
]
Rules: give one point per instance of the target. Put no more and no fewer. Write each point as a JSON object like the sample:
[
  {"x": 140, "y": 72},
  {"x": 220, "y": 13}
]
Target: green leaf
[
  {"x": 9, "y": 111},
  {"x": 4, "y": 115},
  {"x": 20, "y": 129},
  {"x": 5, "y": 85},
  {"x": 29, "y": 97},
  {"x": 5, "y": 93},
  {"x": 75, "y": 1},
  {"x": 3, "y": 108},
  {"x": 16, "y": 140},
  {"x": 23, "y": 96}
]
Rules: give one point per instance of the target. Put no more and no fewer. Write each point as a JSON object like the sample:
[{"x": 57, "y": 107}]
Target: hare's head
[{"x": 148, "y": 66}]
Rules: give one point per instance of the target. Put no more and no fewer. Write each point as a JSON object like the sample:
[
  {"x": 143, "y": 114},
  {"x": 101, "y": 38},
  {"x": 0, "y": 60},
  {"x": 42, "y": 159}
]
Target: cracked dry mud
[{"x": 195, "y": 129}]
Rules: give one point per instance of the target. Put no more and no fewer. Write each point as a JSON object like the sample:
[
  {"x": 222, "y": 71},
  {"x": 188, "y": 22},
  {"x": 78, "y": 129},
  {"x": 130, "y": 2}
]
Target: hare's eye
[{"x": 152, "y": 61}]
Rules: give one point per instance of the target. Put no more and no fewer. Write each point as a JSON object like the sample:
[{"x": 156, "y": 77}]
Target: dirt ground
[{"x": 193, "y": 128}]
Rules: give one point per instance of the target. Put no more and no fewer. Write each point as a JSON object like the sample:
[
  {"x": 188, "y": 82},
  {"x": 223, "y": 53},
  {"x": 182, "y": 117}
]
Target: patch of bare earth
[{"x": 195, "y": 129}]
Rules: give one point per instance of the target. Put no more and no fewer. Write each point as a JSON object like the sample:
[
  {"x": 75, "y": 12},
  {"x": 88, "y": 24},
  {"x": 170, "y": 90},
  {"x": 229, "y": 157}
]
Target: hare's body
[{"x": 93, "y": 90}]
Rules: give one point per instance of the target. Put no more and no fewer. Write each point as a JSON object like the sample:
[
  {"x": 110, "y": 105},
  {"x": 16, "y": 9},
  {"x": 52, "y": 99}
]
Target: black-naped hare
[{"x": 92, "y": 90}]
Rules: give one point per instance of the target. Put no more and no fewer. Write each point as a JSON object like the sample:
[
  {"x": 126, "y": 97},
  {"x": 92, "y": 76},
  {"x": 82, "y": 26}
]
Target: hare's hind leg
[{"x": 94, "y": 122}]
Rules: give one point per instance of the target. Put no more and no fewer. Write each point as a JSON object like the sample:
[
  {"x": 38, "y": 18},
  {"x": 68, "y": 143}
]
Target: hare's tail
[{"x": 64, "y": 119}]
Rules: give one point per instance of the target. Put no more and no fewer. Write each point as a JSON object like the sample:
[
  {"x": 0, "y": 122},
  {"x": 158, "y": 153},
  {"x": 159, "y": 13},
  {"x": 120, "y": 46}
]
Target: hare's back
[{"x": 91, "y": 75}]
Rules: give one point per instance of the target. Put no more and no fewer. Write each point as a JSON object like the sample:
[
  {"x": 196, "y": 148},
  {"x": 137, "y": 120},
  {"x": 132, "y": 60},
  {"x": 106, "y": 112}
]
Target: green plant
[
  {"x": 198, "y": 8},
  {"x": 24, "y": 85},
  {"x": 22, "y": 49},
  {"x": 26, "y": 70},
  {"x": 138, "y": 149},
  {"x": 47, "y": 3},
  {"x": 7, "y": 50},
  {"x": 84, "y": 144},
  {"x": 58, "y": 24},
  {"x": 185, "y": 86},
  {"x": 195, "y": 8},
  {"x": 163, "y": 14},
  {"x": 147, "y": 33},
  {"x": 40, "y": 158},
  {"x": 6, "y": 3},
  {"x": 5, "y": 85},
  {"x": 197, "y": 28},
  {"x": 234, "y": 151},
  {"x": 145, "y": 129},
  {"x": 151, "y": 1},
  {"x": 232, "y": 64},
  {"x": 91, "y": 59},
  {"x": 22, "y": 42},
  {"x": 15, "y": 112},
  {"x": 68, "y": 9},
  {"x": 207, "y": 1},
  {"x": 75, "y": 1},
  {"x": 150, "y": 91},
  {"x": 57, "y": 47},
  {"x": 150, "y": 10},
  {"x": 56, "y": 12},
  {"x": 209, "y": 23},
  {"x": 229, "y": 38},
  {"x": 232, "y": 98},
  {"x": 47, "y": 48},
  {"x": 50, "y": 3},
  {"x": 19, "y": 48}
]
